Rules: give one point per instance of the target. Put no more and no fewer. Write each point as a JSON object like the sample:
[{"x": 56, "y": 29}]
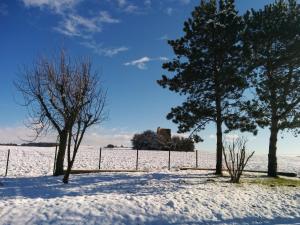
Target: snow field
[
  {"x": 34, "y": 161},
  {"x": 145, "y": 198},
  {"x": 30, "y": 195}
]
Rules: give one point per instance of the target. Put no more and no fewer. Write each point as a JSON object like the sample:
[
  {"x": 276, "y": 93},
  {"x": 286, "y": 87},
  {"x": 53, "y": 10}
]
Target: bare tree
[
  {"x": 54, "y": 101},
  {"x": 235, "y": 158},
  {"x": 88, "y": 111}
]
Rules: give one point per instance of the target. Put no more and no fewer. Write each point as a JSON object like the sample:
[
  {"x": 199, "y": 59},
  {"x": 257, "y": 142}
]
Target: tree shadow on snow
[
  {"x": 121, "y": 183},
  {"x": 240, "y": 221},
  {"x": 255, "y": 221}
]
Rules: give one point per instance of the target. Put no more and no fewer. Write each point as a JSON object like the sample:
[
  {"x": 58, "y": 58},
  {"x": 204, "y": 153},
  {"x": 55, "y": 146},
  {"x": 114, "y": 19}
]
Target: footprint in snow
[{"x": 171, "y": 204}]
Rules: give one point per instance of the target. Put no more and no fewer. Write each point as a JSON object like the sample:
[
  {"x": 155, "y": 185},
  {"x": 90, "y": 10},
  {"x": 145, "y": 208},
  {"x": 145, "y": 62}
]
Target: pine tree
[
  {"x": 208, "y": 70},
  {"x": 272, "y": 38}
]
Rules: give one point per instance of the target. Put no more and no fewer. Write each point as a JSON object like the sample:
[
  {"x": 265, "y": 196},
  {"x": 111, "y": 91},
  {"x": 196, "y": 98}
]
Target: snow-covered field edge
[
  {"x": 30, "y": 195},
  {"x": 36, "y": 161}
]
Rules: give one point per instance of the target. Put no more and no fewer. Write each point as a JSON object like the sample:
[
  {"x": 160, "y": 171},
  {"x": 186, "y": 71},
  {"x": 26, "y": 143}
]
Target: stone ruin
[{"x": 165, "y": 133}]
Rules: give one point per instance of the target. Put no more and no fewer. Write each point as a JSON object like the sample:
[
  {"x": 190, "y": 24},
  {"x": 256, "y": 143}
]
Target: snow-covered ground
[
  {"x": 30, "y": 161},
  {"x": 145, "y": 198},
  {"x": 30, "y": 195}
]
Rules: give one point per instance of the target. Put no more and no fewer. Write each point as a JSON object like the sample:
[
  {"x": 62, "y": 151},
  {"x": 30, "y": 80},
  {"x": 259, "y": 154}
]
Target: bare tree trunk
[
  {"x": 59, "y": 165},
  {"x": 67, "y": 173},
  {"x": 272, "y": 159},
  {"x": 219, "y": 139}
]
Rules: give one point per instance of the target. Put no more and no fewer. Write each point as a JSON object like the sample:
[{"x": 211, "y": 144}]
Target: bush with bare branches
[{"x": 236, "y": 158}]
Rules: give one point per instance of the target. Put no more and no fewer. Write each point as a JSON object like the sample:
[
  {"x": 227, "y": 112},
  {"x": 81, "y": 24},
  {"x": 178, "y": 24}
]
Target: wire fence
[{"x": 36, "y": 161}]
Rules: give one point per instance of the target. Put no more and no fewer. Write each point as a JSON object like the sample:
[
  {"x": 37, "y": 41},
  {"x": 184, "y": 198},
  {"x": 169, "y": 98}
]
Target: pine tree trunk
[
  {"x": 272, "y": 159},
  {"x": 219, "y": 139},
  {"x": 59, "y": 164}
]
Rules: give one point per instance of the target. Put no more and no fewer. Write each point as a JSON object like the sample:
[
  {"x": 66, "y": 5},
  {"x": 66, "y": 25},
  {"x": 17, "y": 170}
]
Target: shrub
[
  {"x": 110, "y": 146},
  {"x": 148, "y": 140},
  {"x": 182, "y": 144},
  {"x": 235, "y": 158}
]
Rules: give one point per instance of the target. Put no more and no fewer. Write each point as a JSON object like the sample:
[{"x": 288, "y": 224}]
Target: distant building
[{"x": 166, "y": 133}]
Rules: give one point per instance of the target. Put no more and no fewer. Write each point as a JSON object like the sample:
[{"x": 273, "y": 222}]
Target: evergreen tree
[
  {"x": 272, "y": 37},
  {"x": 208, "y": 70}
]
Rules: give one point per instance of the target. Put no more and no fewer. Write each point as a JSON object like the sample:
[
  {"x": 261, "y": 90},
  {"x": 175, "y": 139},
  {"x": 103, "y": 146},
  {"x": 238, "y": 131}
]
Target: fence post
[
  {"x": 169, "y": 164},
  {"x": 196, "y": 158},
  {"x": 8, "y": 153},
  {"x": 55, "y": 155},
  {"x": 137, "y": 160},
  {"x": 100, "y": 155}
]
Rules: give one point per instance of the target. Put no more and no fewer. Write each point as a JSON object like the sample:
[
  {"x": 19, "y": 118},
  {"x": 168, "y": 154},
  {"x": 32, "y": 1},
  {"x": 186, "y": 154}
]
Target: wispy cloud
[
  {"x": 76, "y": 25},
  {"x": 114, "y": 51},
  {"x": 73, "y": 24},
  {"x": 101, "y": 50},
  {"x": 163, "y": 38},
  {"x": 3, "y": 9},
  {"x": 127, "y": 6},
  {"x": 105, "y": 17},
  {"x": 58, "y": 6},
  {"x": 84, "y": 26},
  {"x": 142, "y": 62}
]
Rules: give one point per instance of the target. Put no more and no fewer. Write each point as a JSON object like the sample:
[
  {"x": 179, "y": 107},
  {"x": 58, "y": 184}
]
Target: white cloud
[
  {"x": 162, "y": 58},
  {"x": 100, "y": 50},
  {"x": 131, "y": 8},
  {"x": 163, "y": 38},
  {"x": 114, "y": 51},
  {"x": 105, "y": 17},
  {"x": 127, "y": 6},
  {"x": 58, "y": 6},
  {"x": 88, "y": 24},
  {"x": 76, "y": 25},
  {"x": 68, "y": 28},
  {"x": 73, "y": 24},
  {"x": 142, "y": 62}
]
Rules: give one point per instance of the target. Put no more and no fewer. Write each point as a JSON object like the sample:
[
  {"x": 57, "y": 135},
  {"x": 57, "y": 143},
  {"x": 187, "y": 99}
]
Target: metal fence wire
[{"x": 37, "y": 161}]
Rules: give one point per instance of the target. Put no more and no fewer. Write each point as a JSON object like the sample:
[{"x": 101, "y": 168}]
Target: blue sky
[{"x": 126, "y": 40}]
